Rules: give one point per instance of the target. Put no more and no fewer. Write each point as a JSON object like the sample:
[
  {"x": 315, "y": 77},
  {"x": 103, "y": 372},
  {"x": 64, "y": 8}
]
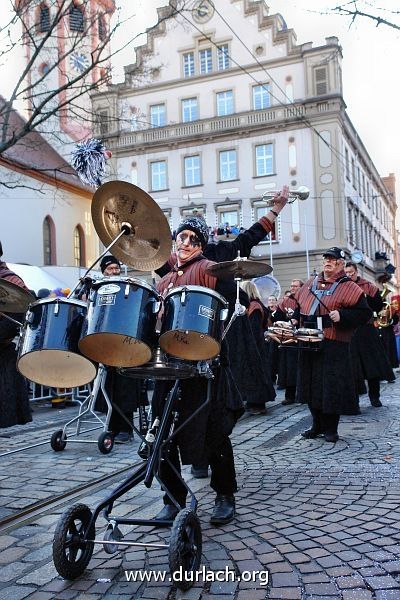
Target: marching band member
[
  {"x": 288, "y": 358},
  {"x": 208, "y": 436},
  {"x": 14, "y": 401},
  {"x": 366, "y": 348},
  {"x": 333, "y": 303}
]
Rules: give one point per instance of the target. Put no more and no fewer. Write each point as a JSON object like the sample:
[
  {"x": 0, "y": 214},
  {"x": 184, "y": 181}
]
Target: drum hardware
[
  {"x": 10, "y": 319},
  {"x": 301, "y": 193},
  {"x": 13, "y": 298},
  {"x": 162, "y": 367},
  {"x": 147, "y": 246}
]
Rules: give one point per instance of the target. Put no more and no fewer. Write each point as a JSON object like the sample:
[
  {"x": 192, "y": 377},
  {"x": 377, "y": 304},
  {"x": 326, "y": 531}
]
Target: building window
[
  {"x": 224, "y": 103},
  {"x": 205, "y": 61},
  {"x": 229, "y": 217},
  {"x": 44, "y": 18},
  {"x": 102, "y": 29},
  {"x": 353, "y": 173},
  {"x": 188, "y": 64},
  {"x": 321, "y": 81},
  {"x": 261, "y": 96},
  {"x": 264, "y": 160},
  {"x": 346, "y": 154},
  {"x": 158, "y": 173},
  {"x": 79, "y": 247},
  {"x": 157, "y": 115},
  {"x": 102, "y": 122},
  {"x": 261, "y": 211},
  {"x": 192, "y": 170},
  {"x": 223, "y": 57},
  {"x": 76, "y": 18},
  {"x": 190, "y": 111},
  {"x": 49, "y": 241},
  {"x": 227, "y": 165}
]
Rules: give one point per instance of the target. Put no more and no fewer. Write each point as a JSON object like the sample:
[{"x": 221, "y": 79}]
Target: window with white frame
[
  {"x": 158, "y": 115},
  {"x": 190, "y": 110},
  {"x": 321, "y": 81},
  {"x": 228, "y": 217},
  {"x": 227, "y": 165},
  {"x": 261, "y": 210},
  {"x": 224, "y": 103},
  {"x": 223, "y": 57},
  {"x": 264, "y": 160},
  {"x": 192, "y": 172},
  {"x": 261, "y": 96},
  {"x": 205, "y": 59},
  {"x": 188, "y": 64},
  {"x": 158, "y": 174}
]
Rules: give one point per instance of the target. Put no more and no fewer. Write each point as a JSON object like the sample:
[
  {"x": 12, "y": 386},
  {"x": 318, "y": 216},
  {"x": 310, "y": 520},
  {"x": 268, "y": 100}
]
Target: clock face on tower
[
  {"x": 78, "y": 61},
  {"x": 202, "y": 11}
]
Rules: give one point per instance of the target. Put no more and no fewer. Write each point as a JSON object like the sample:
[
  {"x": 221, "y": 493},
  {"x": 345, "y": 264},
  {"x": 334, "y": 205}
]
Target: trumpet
[{"x": 301, "y": 193}]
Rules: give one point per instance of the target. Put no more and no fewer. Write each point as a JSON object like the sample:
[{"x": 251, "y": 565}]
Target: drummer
[
  {"x": 208, "y": 434},
  {"x": 14, "y": 401},
  {"x": 332, "y": 302}
]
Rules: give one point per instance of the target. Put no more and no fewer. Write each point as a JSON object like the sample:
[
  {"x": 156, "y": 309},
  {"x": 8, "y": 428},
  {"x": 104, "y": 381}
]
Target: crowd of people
[{"x": 354, "y": 339}]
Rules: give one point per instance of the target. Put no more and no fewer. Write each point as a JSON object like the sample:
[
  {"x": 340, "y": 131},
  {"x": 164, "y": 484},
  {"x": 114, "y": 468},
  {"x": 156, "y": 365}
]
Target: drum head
[
  {"x": 115, "y": 349},
  {"x": 189, "y": 345},
  {"x": 57, "y": 368}
]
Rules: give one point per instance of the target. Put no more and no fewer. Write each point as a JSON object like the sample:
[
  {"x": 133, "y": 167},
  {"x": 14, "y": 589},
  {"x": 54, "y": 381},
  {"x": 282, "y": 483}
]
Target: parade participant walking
[
  {"x": 288, "y": 357},
  {"x": 337, "y": 305},
  {"x": 209, "y": 435},
  {"x": 14, "y": 400},
  {"x": 368, "y": 357}
]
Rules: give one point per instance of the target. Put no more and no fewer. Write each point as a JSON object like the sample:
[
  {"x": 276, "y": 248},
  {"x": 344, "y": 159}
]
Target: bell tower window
[
  {"x": 76, "y": 18},
  {"x": 101, "y": 28},
  {"x": 44, "y": 18}
]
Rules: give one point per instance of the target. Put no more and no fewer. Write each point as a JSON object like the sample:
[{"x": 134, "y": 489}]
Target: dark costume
[
  {"x": 288, "y": 356},
  {"x": 208, "y": 434},
  {"x": 389, "y": 343},
  {"x": 273, "y": 354},
  {"x": 367, "y": 354},
  {"x": 326, "y": 381},
  {"x": 14, "y": 401}
]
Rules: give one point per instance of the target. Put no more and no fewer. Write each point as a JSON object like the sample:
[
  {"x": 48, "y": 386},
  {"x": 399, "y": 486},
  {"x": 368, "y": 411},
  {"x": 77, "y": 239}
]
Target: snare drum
[
  {"x": 49, "y": 353},
  {"x": 309, "y": 338},
  {"x": 193, "y": 322},
  {"x": 119, "y": 330},
  {"x": 162, "y": 367},
  {"x": 282, "y": 332}
]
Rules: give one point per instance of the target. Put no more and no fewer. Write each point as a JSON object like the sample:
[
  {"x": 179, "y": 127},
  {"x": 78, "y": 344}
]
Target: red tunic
[{"x": 193, "y": 273}]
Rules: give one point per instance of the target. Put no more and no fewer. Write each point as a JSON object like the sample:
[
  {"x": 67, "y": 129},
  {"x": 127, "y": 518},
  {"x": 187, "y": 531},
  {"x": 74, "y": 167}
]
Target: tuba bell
[{"x": 385, "y": 315}]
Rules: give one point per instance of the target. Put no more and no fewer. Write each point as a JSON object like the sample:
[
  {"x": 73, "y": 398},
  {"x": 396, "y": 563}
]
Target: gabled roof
[{"x": 33, "y": 156}]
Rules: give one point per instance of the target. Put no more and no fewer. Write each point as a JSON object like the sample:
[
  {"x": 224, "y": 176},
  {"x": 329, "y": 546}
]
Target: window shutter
[{"x": 321, "y": 81}]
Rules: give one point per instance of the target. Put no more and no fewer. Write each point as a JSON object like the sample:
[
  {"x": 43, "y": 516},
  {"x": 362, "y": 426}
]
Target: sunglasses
[{"x": 193, "y": 239}]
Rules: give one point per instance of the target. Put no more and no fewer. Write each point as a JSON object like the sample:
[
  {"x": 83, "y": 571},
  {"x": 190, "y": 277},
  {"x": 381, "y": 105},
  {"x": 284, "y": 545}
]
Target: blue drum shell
[
  {"x": 49, "y": 353},
  {"x": 120, "y": 327}
]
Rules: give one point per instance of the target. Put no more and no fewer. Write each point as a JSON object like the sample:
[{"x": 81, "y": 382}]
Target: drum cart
[
  {"x": 75, "y": 535},
  {"x": 87, "y": 416}
]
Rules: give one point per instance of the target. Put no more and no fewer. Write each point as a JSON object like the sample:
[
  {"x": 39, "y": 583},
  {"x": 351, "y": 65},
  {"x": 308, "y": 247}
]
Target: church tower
[{"x": 67, "y": 52}]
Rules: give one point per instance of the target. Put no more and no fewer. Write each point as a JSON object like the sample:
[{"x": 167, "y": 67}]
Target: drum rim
[
  {"x": 197, "y": 288},
  {"x": 62, "y": 300},
  {"x": 130, "y": 280}
]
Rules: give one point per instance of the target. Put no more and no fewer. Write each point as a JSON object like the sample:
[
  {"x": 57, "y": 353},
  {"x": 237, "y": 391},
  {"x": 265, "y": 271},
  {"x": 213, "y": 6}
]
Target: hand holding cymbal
[
  {"x": 238, "y": 269},
  {"x": 117, "y": 205}
]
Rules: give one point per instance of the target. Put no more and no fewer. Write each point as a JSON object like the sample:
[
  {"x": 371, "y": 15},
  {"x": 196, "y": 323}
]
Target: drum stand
[
  {"x": 88, "y": 416},
  {"x": 74, "y": 538},
  {"x": 239, "y": 311}
]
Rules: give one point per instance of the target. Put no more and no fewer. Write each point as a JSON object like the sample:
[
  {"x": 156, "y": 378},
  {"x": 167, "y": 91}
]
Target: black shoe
[
  {"x": 331, "y": 437},
  {"x": 311, "y": 434},
  {"x": 256, "y": 411},
  {"x": 168, "y": 513},
  {"x": 375, "y": 402},
  {"x": 287, "y": 401},
  {"x": 199, "y": 472},
  {"x": 224, "y": 510}
]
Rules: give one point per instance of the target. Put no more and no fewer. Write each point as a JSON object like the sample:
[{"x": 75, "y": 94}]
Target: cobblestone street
[{"x": 323, "y": 519}]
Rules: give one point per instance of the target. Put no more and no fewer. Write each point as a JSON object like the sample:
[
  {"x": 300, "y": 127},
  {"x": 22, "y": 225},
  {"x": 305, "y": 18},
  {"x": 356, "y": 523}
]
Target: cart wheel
[
  {"x": 71, "y": 555},
  {"x": 56, "y": 442},
  {"x": 184, "y": 553},
  {"x": 105, "y": 442},
  {"x": 112, "y": 534}
]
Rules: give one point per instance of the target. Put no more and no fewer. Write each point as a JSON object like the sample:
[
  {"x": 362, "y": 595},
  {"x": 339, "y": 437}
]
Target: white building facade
[{"x": 221, "y": 107}]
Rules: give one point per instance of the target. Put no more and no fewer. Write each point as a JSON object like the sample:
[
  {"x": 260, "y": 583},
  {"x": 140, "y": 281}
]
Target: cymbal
[
  {"x": 239, "y": 269},
  {"x": 14, "y": 298},
  {"x": 149, "y": 244}
]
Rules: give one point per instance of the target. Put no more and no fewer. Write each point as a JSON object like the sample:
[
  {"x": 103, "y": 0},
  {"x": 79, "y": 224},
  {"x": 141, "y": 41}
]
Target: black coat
[{"x": 368, "y": 356}]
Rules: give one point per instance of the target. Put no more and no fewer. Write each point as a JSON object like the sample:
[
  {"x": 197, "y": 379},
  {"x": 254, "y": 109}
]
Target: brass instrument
[
  {"x": 385, "y": 315},
  {"x": 301, "y": 193}
]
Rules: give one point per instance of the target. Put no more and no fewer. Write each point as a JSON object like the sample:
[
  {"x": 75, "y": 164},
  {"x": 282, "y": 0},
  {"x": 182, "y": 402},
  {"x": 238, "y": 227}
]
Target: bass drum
[
  {"x": 193, "y": 323},
  {"x": 120, "y": 327},
  {"x": 49, "y": 353}
]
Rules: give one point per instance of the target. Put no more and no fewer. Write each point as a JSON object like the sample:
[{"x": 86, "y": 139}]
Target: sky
[{"x": 370, "y": 72}]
